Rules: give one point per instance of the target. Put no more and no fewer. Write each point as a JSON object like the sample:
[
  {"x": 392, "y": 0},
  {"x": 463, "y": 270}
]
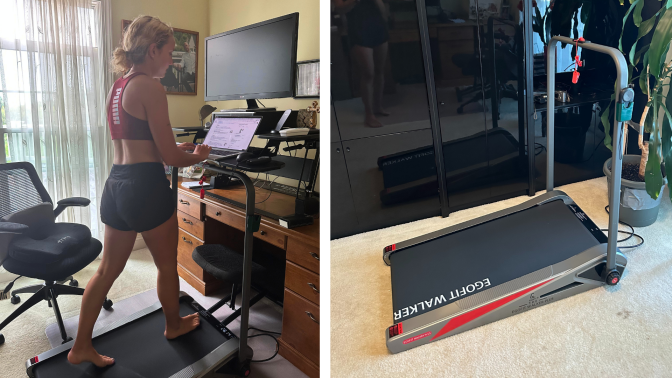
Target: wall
[
  {"x": 227, "y": 15},
  {"x": 190, "y": 15}
]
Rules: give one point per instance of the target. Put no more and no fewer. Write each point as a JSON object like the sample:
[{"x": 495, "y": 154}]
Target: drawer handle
[
  {"x": 187, "y": 222},
  {"x": 315, "y": 255},
  {"x": 187, "y": 241},
  {"x": 313, "y": 287},
  {"x": 184, "y": 202},
  {"x": 262, "y": 232},
  {"x": 312, "y": 317},
  {"x": 218, "y": 213}
]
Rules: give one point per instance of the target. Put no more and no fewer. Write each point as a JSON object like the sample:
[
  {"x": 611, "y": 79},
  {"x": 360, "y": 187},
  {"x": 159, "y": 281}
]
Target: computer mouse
[
  {"x": 244, "y": 156},
  {"x": 261, "y": 160}
]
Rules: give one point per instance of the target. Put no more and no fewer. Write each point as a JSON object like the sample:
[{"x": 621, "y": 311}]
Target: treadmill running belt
[
  {"x": 497, "y": 252},
  {"x": 137, "y": 347}
]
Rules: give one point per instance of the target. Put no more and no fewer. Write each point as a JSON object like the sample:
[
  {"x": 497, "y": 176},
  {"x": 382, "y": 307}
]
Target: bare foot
[
  {"x": 381, "y": 112},
  {"x": 76, "y": 357},
  {"x": 187, "y": 324},
  {"x": 371, "y": 121}
]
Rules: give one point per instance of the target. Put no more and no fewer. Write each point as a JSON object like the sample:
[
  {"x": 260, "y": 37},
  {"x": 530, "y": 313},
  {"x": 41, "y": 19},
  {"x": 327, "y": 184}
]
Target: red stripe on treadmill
[{"x": 471, "y": 315}]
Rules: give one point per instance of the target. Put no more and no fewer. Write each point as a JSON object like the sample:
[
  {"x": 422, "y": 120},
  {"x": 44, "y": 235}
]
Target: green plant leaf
[
  {"x": 586, "y": 11},
  {"x": 648, "y": 122},
  {"x": 637, "y": 14},
  {"x": 642, "y": 78},
  {"x": 635, "y": 59},
  {"x": 625, "y": 18},
  {"x": 666, "y": 140},
  {"x": 661, "y": 38},
  {"x": 653, "y": 176}
]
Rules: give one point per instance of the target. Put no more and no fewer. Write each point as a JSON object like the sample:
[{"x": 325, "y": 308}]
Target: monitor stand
[{"x": 251, "y": 107}]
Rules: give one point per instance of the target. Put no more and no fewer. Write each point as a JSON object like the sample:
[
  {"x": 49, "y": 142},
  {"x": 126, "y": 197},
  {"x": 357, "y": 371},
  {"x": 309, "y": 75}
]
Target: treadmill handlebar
[{"x": 616, "y": 157}]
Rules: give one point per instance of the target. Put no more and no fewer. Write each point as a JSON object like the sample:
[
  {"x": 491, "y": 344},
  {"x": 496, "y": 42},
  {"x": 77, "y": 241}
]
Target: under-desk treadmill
[{"x": 141, "y": 350}]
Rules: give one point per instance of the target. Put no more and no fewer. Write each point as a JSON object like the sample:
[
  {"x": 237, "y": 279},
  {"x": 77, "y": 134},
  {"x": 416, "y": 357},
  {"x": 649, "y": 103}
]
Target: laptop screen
[{"x": 232, "y": 133}]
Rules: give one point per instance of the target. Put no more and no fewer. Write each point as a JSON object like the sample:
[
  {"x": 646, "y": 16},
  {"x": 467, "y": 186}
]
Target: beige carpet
[{"x": 618, "y": 331}]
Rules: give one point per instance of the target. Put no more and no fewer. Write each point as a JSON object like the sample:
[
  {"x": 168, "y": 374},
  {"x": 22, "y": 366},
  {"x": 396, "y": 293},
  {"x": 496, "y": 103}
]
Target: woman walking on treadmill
[
  {"x": 368, "y": 37},
  {"x": 137, "y": 196}
]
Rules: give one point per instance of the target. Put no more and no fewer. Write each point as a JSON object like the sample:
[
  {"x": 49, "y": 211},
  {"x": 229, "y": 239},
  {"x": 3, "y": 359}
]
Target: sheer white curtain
[{"x": 54, "y": 78}]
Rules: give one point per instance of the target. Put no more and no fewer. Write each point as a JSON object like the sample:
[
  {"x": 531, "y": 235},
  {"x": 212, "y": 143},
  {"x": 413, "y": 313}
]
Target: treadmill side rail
[
  {"x": 533, "y": 290},
  {"x": 536, "y": 201}
]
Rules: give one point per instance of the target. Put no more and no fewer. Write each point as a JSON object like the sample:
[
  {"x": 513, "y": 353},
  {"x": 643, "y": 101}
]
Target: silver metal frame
[
  {"x": 546, "y": 285},
  {"x": 616, "y": 155}
]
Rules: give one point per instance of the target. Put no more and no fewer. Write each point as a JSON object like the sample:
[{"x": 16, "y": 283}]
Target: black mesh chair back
[{"x": 20, "y": 188}]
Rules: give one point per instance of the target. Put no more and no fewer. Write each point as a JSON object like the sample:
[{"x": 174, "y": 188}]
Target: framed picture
[
  {"x": 182, "y": 77},
  {"x": 307, "y": 79},
  {"x": 486, "y": 8}
]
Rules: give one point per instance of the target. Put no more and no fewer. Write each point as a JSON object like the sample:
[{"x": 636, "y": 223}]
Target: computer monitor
[
  {"x": 232, "y": 133},
  {"x": 252, "y": 62}
]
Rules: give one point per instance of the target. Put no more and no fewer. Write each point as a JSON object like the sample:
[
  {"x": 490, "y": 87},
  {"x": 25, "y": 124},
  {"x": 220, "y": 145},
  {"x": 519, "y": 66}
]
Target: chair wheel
[
  {"x": 15, "y": 299},
  {"x": 74, "y": 283},
  {"x": 69, "y": 339},
  {"x": 2, "y": 339},
  {"x": 107, "y": 304}
]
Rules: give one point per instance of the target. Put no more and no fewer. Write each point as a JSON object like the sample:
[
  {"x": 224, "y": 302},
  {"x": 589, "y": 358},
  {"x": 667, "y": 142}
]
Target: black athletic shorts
[{"x": 137, "y": 197}]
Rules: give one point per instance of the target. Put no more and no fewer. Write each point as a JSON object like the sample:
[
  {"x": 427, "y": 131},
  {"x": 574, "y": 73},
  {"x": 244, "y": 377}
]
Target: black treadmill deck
[
  {"x": 448, "y": 268},
  {"x": 141, "y": 350}
]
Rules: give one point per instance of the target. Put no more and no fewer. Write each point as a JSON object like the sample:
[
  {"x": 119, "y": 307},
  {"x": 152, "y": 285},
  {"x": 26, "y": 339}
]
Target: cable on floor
[
  {"x": 269, "y": 334},
  {"x": 631, "y": 233}
]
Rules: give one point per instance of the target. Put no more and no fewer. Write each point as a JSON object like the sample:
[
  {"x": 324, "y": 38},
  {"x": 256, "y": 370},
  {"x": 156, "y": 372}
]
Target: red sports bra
[{"x": 122, "y": 124}]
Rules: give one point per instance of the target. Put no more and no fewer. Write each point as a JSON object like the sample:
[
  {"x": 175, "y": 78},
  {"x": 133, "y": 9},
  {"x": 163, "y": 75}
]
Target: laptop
[{"x": 229, "y": 136}]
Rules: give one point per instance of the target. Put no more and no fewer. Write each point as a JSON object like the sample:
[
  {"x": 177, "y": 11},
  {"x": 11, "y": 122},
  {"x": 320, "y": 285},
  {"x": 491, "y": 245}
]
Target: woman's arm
[
  {"x": 345, "y": 6},
  {"x": 156, "y": 106}
]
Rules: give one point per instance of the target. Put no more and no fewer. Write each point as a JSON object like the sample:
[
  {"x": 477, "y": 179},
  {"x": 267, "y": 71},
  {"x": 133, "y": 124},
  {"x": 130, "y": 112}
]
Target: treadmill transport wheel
[
  {"x": 613, "y": 277},
  {"x": 107, "y": 304}
]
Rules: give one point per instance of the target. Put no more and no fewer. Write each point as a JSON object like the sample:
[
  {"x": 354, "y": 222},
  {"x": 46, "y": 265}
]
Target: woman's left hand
[{"x": 186, "y": 147}]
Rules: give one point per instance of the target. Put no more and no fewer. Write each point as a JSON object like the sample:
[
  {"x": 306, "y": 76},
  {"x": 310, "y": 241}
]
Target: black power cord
[
  {"x": 269, "y": 334},
  {"x": 631, "y": 233},
  {"x": 9, "y": 286}
]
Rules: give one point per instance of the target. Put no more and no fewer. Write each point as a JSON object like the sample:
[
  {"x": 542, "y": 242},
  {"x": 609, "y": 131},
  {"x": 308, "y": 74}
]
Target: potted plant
[{"x": 641, "y": 192}]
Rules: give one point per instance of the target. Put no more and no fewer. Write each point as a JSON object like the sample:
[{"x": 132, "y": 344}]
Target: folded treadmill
[{"x": 543, "y": 250}]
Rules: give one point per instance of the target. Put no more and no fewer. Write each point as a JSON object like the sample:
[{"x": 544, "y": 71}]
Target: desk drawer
[
  {"x": 225, "y": 216},
  {"x": 189, "y": 205},
  {"x": 235, "y": 220},
  {"x": 272, "y": 236},
  {"x": 298, "y": 328},
  {"x": 190, "y": 224},
  {"x": 303, "y": 282},
  {"x": 185, "y": 247},
  {"x": 303, "y": 254}
]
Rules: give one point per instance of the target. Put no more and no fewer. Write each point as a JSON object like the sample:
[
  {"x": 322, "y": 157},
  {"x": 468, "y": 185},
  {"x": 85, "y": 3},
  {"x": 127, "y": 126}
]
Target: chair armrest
[
  {"x": 12, "y": 228},
  {"x": 73, "y": 201}
]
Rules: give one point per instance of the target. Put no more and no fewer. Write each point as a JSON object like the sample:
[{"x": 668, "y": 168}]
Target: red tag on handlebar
[
  {"x": 202, "y": 190},
  {"x": 575, "y": 77}
]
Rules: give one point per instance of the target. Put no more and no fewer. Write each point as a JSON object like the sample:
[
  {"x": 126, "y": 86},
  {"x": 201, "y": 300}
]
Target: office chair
[
  {"x": 226, "y": 264},
  {"x": 33, "y": 245}
]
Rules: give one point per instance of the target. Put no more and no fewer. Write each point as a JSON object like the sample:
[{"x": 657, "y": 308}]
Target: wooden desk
[{"x": 212, "y": 221}]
